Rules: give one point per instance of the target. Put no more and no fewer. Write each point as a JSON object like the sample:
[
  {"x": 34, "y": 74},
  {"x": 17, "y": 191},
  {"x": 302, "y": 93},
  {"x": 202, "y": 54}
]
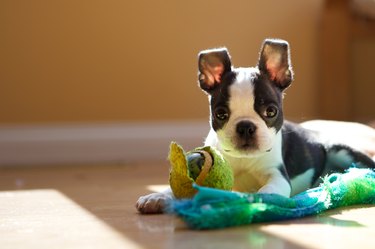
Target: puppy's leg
[
  {"x": 340, "y": 157},
  {"x": 276, "y": 183},
  {"x": 154, "y": 203}
]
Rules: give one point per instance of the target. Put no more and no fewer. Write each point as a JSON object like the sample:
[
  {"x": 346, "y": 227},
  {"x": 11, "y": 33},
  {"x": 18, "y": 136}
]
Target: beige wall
[
  {"x": 115, "y": 61},
  {"x": 363, "y": 80}
]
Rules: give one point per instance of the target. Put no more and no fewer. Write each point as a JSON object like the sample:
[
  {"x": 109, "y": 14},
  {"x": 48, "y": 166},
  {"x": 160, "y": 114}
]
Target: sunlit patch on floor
[
  {"x": 329, "y": 227},
  {"x": 49, "y": 219}
]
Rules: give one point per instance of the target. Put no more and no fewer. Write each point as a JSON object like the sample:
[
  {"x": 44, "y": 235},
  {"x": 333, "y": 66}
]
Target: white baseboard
[{"x": 96, "y": 143}]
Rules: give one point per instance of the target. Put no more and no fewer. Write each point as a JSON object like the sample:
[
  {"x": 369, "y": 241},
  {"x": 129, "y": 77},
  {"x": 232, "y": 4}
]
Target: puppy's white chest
[
  {"x": 246, "y": 179},
  {"x": 250, "y": 174}
]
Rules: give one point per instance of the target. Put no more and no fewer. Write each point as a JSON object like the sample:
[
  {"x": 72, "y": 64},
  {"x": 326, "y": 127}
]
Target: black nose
[{"x": 245, "y": 129}]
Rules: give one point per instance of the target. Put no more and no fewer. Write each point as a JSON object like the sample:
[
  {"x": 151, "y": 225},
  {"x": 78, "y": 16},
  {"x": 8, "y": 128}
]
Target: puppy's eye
[
  {"x": 271, "y": 111},
  {"x": 221, "y": 114}
]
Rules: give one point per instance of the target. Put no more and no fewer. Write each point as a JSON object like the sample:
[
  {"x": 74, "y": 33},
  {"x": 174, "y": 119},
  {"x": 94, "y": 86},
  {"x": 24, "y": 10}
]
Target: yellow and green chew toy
[{"x": 203, "y": 166}]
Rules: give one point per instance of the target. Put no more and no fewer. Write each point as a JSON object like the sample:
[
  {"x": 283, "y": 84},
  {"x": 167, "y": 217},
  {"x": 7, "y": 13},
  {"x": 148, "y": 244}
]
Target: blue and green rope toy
[{"x": 213, "y": 208}]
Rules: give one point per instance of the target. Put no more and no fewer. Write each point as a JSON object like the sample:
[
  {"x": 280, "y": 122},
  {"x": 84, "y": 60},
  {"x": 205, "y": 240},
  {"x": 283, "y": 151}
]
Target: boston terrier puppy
[{"x": 267, "y": 153}]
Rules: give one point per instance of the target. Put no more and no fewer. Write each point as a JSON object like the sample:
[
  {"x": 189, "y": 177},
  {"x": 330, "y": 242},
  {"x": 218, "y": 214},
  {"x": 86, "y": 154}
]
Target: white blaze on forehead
[{"x": 242, "y": 94}]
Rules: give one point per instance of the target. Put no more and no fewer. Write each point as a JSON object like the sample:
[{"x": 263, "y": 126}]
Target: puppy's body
[
  {"x": 287, "y": 169},
  {"x": 267, "y": 154}
]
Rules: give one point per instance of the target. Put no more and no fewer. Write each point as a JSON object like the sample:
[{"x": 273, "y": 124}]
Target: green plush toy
[{"x": 203, "y": 166}]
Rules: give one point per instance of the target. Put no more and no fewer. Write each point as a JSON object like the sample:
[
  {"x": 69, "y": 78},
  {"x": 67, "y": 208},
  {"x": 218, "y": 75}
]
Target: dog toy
[
  {"x": 203, "y": 166},
  {"x": 213, "y": 209}
]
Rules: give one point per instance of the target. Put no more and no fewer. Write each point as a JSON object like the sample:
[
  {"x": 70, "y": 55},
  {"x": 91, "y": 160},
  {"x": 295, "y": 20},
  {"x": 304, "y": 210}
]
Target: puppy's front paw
[
  {"x": 153, "y": 203},
  {"x": 281, "y": 190},
  {"x": 267, "y": 190}
]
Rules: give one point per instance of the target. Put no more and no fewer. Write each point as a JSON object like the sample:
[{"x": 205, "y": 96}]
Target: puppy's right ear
[{"x": 213, "y": 64}]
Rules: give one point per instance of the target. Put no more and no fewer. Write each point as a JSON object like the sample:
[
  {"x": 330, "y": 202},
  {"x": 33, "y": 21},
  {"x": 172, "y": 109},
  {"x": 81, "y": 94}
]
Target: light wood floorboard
[{"x": 93, "y": 207}]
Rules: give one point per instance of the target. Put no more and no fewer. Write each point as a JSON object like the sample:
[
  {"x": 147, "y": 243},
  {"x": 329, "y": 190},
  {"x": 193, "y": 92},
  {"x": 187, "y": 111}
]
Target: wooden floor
[{"x": 93, "y": 207}]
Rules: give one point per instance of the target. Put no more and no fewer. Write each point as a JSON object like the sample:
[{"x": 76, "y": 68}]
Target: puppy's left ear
[{"x": 274, "y": 61}]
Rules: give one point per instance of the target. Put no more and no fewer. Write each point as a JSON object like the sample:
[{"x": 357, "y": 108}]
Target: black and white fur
[{"x": 267, "y": 154}]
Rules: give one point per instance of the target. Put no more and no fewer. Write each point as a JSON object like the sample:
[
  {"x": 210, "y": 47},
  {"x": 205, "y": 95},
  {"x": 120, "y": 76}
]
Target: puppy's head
[{"x": 246, "y": 103}]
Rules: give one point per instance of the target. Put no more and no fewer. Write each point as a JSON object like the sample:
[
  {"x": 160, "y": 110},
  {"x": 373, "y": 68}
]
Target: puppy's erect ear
[
  {"x": 274, "y": 61},
  {"x": 213, "y": 64}
]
